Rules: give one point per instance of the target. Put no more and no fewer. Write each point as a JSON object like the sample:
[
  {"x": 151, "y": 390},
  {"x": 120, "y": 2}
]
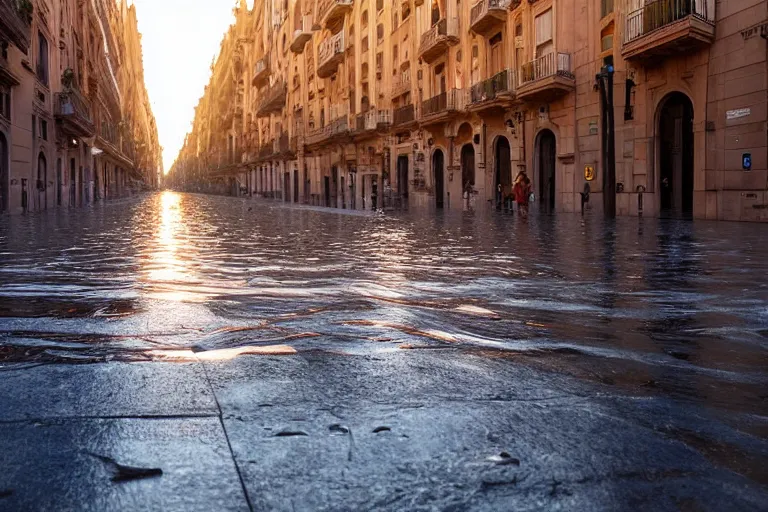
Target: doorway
[
  {"x": 327, "y": 187},
  {"x": 353, "y": 190},
  {"x": 676, "y": 156},
  {"x": 306, "y": 185},
  {"x": 343, "y": 194},
  {"x": 72, "y": 182},
  {"x": 58, "y": 181},
  {"x": 334, "y": 186},
  {"x": 402, "y": 179},
  {"x": 546, "y": 157},
  {"x": 296, "y": 186},
  {"x": 503, "y": 174},
  {"x": 286, "y": 187},
  {"x": 4, "y": 174},
  {"x": 439, "y": 177},
  {"x": 467, "y": 169}
]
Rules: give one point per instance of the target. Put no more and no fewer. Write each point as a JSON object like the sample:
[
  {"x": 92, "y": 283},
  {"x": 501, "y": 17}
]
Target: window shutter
[{"x": 543, "y": 24}]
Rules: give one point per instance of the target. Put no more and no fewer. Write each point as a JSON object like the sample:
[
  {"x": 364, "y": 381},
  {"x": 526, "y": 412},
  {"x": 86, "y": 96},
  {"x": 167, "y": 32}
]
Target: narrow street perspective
[{"x": 351, "y": 255}]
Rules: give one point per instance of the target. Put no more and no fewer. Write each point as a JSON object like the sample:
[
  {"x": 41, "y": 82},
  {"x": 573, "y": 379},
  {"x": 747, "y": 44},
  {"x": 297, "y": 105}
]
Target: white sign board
[{"x": 736, "y": 114}]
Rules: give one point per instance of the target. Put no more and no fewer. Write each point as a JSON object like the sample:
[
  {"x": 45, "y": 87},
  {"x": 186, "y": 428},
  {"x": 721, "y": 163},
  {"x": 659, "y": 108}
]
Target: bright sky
[{"x": 179, "y": 40}]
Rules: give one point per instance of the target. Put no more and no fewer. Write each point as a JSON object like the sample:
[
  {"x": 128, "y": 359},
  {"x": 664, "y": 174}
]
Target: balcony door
[
  {"x": 496, "y": 55},
  {"x": 546, "y": 160},
  {"x": 676, "y": 156},
  {"x": 4, "y": 174}
]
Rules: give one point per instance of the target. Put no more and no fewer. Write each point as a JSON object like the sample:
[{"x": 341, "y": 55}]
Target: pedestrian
[{"x": 522, "y": 192}]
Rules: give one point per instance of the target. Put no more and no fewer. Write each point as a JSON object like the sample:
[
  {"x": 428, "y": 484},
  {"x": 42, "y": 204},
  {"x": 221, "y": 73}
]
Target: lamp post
[{"x": 605, "y": 83}]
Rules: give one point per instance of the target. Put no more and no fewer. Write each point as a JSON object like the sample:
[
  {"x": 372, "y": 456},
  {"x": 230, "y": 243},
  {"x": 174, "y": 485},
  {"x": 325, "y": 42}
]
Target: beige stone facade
[
  {"x": 75, "y": 124},
  {"x": 369, "y": 104}
]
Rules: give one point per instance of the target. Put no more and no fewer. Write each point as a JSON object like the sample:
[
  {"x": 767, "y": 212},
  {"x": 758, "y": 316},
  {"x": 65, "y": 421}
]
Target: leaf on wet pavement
[
  {"x": 504, "y": 459},
  {"x": 122, "y": 473}
]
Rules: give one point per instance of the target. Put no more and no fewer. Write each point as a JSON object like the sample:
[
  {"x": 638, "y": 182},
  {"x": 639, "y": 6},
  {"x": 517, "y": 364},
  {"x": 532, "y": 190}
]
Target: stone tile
[
  {"x": 111, "y": 389},
  {"x": 49, "y": 466},
  {"x": 572, "y": 456},
  {"x": 399, "y": 376}
]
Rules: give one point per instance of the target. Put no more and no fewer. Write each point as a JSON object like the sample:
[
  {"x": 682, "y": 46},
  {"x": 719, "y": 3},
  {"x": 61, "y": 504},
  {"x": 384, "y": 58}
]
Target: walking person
[{"x": 522, "y": 192}]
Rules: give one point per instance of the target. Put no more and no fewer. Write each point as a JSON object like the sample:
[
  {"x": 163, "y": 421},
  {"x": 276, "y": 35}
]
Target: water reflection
[{"x": 649, "y": 306}]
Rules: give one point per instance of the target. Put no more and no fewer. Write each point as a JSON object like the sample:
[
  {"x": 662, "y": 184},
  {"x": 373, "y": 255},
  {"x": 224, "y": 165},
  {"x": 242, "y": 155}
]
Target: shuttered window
[{"x": 543, "y": 25}]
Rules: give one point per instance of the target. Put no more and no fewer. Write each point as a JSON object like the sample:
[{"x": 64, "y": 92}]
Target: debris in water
[
  {"x": 290, "y": 433},
  {"x": 504, "y": 459},
  {"x": 477, "y": 311},
  {"x": 381, "y": 429},
  {"x": 127, "y": 473},
  {"x": 338, "y": 429}
]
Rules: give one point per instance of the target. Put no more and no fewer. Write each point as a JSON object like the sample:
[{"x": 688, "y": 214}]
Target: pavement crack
[{"x": 226, "y": 436}]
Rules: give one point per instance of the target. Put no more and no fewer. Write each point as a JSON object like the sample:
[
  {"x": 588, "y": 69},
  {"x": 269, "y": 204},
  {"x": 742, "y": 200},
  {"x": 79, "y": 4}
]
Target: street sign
[
  {"x": 589, "y": 172},
  {"x": 746, "y": 161}
]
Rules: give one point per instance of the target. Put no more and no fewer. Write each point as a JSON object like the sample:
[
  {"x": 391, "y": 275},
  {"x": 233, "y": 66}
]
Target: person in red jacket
[{"x": 522, "y": 191}]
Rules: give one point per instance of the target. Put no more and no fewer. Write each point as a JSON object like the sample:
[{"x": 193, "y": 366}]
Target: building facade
[
  {"x": 75, "y": 122},
  {"x": 652, "y": 107}
]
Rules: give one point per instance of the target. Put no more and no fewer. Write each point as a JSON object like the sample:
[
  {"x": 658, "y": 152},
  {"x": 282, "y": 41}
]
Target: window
[
  {"x": 380, "y": 33},
  {"x": 379, "y": 5},
  {"x": 5, "y": 102},
  {"x": 42, "y": 58},
  {"x": 406, "y": 10},
  {"x": 43, "y": 129},
  {"x": 364, "y": 44},
  {"x": 394, "y": 56},
  {"x": 543, "y": 28},
  {"x": 364, "y": 19}
]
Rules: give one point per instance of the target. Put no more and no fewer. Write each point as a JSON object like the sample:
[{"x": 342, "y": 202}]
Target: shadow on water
[{"x": 646, "y": 306}]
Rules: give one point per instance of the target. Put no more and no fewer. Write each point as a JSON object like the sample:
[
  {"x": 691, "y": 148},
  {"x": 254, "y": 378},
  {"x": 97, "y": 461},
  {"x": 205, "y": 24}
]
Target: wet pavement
[{"x": 189, "y": 352}]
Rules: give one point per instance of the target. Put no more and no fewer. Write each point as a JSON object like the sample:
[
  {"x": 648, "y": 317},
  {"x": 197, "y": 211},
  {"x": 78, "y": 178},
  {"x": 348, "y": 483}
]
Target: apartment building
[
  {"x": 654, "y": 108},
  {"x": 72, "y": 105}
]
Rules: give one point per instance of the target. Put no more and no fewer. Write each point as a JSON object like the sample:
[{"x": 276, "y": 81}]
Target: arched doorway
[
  {"x": 4, "y": 174},
  {"x": 439, "y": 176},
  {"x": 547, "y": 149},
  {"x": 676, "y": 156},
  {"x": 467, "y": 168},
  {"x": 42, "y": 182},
  {"x": 502, "y": 173}
]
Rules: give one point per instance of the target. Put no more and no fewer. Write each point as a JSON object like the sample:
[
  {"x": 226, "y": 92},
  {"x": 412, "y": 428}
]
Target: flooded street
[{"x": 287, "y": 358}]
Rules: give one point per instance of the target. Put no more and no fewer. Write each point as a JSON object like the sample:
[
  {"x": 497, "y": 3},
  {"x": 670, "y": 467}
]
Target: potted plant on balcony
[
  {"x": 68, "y": 78},
  {"x": 25, "y": 10}
]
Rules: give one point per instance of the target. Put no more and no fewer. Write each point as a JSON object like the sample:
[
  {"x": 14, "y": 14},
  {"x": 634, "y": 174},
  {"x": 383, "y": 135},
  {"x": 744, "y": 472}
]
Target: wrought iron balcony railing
[
  {"x": 659, "y": 13},
  {"x": 450, "y": 101},
  {"x": 373, "y": 120},
  {"x": 551, "y": 64},
  {"x": 437, "y": 39},
  {"x": 487, "y": 14},
  {"x": 404, "y": 115},
  {"x": 74, "y": 112},
  {"x": 330, "y": 54},
  {"x": 491, "y": 88}
]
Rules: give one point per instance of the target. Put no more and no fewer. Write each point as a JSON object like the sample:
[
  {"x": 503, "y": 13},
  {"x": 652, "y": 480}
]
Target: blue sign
[{"x": 746, "y": 161}]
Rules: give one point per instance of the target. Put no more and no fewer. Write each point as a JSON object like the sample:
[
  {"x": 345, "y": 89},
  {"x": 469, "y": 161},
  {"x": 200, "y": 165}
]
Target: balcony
[
  {"x": 301, "y": 34},
  {"x": 441, "y": 108},
  {"x": 273, "y": 100},
  {"x": 404, "y": 117},
  {"x": 73, "y": 112},
  {"x": 336, "y": 130},
  {"x": 497, "y": 91},
  {"x": 330, "y": 55},
  {"x": 546, "y": 78},
  {"x": 15, "y": 25},
  {"x": 373, "y": 121},
  {"x": 668, "y": 27},
  {"x": 266, "y": 151},
  {"x": 261, "y": 72},
  {"x": 436, "y": 41},
  {"x": 332, "y": 13},
  {"x": 401, "y": 85},
  {"x": 282, "y": 146},
  {"x": 488, "y": 16}
]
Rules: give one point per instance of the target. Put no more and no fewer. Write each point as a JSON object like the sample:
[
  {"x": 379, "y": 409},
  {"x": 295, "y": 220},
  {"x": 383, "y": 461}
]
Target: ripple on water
[{"x": 653, "y": 306}]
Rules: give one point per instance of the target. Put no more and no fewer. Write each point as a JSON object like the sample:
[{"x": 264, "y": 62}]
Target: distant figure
[{"x": 522, "y": 191}]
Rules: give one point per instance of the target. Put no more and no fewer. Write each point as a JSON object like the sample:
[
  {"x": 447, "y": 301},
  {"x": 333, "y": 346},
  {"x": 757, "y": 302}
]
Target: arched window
[
  {"x": 379, "y": 5},
  {"x": 42, "y": 58},
  {"x": 365, "y": 104},
  {"x": 380, "y": 33},
  {"x": 364, "y": 19},
  {"x": 435, "y": 12}
]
